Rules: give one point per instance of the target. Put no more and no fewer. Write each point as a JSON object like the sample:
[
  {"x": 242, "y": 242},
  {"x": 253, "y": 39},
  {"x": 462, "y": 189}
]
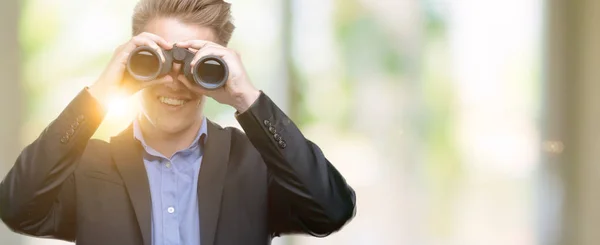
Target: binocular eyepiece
[{"x": 145, "y": 64}]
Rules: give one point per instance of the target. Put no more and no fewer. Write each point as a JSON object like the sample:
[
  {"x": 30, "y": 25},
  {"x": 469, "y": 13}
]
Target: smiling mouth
[{"x": 172, "y": 101}]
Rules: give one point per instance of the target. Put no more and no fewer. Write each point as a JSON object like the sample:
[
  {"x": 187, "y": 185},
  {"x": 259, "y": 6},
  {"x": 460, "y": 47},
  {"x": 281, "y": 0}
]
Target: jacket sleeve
[
  {"x": 306, "y": 193},
  {"x": 37, "y": 197}
]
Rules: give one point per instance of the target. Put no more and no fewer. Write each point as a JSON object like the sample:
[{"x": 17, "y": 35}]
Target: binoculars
[{"x": 144, "y": 64}]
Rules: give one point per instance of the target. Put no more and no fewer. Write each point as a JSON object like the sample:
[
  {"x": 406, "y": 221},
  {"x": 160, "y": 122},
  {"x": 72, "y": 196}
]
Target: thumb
[
  {"x": 163, "y": 80},
  {"x": 192, "y": 85},
  {"x": 132, "y": 86}
]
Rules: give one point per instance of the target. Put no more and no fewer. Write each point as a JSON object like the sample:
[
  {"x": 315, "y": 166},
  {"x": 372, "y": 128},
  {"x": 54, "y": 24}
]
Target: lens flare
[{"x": 118, "y": 106}]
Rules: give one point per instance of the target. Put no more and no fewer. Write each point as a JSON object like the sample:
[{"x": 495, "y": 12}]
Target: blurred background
[{"x": 457, "y": 122}]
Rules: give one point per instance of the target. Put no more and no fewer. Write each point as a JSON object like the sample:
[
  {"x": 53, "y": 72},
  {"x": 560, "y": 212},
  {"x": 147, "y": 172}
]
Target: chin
[
  {"x": 172, "y": 127},
  {"x": 173, "y": 122}
]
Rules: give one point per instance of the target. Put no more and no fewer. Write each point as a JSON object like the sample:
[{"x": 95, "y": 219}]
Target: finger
[
  {"x": 134, "y": 86},
  {"x": 131, "y": 85},
  {"x": 163, "y": 80},
  {"x": 186, "y": 82},
  {"x": 120, "y": 49},
  {"x": 122, "y": 58},
  {"x": 195, "y": 44},
  {"x": 213, "y": 45},
  {"x": 157, "y": 39},
  {"x": 145, "y": 41},
  {"x": 192, "y": 86}
]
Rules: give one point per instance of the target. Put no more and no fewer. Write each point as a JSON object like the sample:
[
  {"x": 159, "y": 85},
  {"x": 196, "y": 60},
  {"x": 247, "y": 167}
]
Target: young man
[{"x": 174, "y": 177}]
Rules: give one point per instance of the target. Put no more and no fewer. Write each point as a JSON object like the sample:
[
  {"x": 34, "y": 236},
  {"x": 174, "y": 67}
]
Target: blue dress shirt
[{"x": 173, "y": 184}]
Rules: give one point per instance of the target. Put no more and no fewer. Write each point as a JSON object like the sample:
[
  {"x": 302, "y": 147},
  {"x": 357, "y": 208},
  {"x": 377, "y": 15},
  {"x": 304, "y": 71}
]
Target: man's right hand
[{"x": 113, "y": 79}]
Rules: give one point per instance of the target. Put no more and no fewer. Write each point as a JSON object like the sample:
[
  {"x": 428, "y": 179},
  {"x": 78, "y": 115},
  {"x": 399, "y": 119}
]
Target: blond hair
[{"x": 214, "y": 14}]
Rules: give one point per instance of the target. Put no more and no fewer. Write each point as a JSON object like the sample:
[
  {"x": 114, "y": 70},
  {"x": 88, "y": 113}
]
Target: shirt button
[
  {"x": 168, "y": 165},
  {"x": 171, "y": 210}
]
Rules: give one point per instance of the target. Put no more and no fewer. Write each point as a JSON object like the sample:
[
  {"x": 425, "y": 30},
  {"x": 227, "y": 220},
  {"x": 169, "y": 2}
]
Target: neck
[{"x": 167, "y": 143}]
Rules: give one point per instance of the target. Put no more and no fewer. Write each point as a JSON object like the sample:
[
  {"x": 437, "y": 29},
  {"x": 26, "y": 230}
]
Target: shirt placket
[{"x": 170, "y": 207}]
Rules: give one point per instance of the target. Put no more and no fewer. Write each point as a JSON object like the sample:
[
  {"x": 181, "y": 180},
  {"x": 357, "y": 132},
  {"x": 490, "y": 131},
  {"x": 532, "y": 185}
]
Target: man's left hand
[{"x": 238, "y": 91}]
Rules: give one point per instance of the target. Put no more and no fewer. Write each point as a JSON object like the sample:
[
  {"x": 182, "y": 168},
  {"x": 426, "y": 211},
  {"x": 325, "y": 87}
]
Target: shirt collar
[{"x": 200, "y": 136}]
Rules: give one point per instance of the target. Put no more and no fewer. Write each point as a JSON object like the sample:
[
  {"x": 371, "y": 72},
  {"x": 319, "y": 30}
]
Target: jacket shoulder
[
  {"x": 96, "y": 151},
  {"x": 96, "y": 146}
]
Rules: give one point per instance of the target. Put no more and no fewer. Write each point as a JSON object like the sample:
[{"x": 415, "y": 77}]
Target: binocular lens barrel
[
  {"x": 144, "y": 64},
  {"x": 210, "y": 72}
]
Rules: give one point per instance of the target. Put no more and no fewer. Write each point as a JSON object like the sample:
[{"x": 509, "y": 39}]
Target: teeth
[{"x": 171, "y": 101}]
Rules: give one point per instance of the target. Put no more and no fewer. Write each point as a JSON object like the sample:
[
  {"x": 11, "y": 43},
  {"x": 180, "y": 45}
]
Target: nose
[
  {"x": 176, "y": 69},
  {"x": 176, "y": 85}
]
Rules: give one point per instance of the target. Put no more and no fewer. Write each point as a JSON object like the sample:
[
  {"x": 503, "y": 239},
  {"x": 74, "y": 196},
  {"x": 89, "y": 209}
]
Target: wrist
[
  {"x": 98, "y": 92},
  {"x": 246, "y": 99},
  {"x": 101, "y": 93}
]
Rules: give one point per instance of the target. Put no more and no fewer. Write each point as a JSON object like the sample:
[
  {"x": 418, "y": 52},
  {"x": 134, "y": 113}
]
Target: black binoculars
[{"x": 145, "y": 64}]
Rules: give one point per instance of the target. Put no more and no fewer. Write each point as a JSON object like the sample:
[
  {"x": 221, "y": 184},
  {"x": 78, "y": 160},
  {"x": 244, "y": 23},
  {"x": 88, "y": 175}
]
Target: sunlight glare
[{"x": 117, "y": 106}]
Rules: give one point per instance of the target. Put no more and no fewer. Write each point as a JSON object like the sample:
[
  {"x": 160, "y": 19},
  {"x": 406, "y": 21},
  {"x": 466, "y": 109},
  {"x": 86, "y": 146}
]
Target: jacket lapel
[
  {"x": 127, "y": 154},
  {"x": 211, "y": 180}
]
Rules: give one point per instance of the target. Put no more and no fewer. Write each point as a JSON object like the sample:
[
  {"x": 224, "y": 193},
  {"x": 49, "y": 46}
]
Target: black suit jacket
[{"x": 252, "y": 187}]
